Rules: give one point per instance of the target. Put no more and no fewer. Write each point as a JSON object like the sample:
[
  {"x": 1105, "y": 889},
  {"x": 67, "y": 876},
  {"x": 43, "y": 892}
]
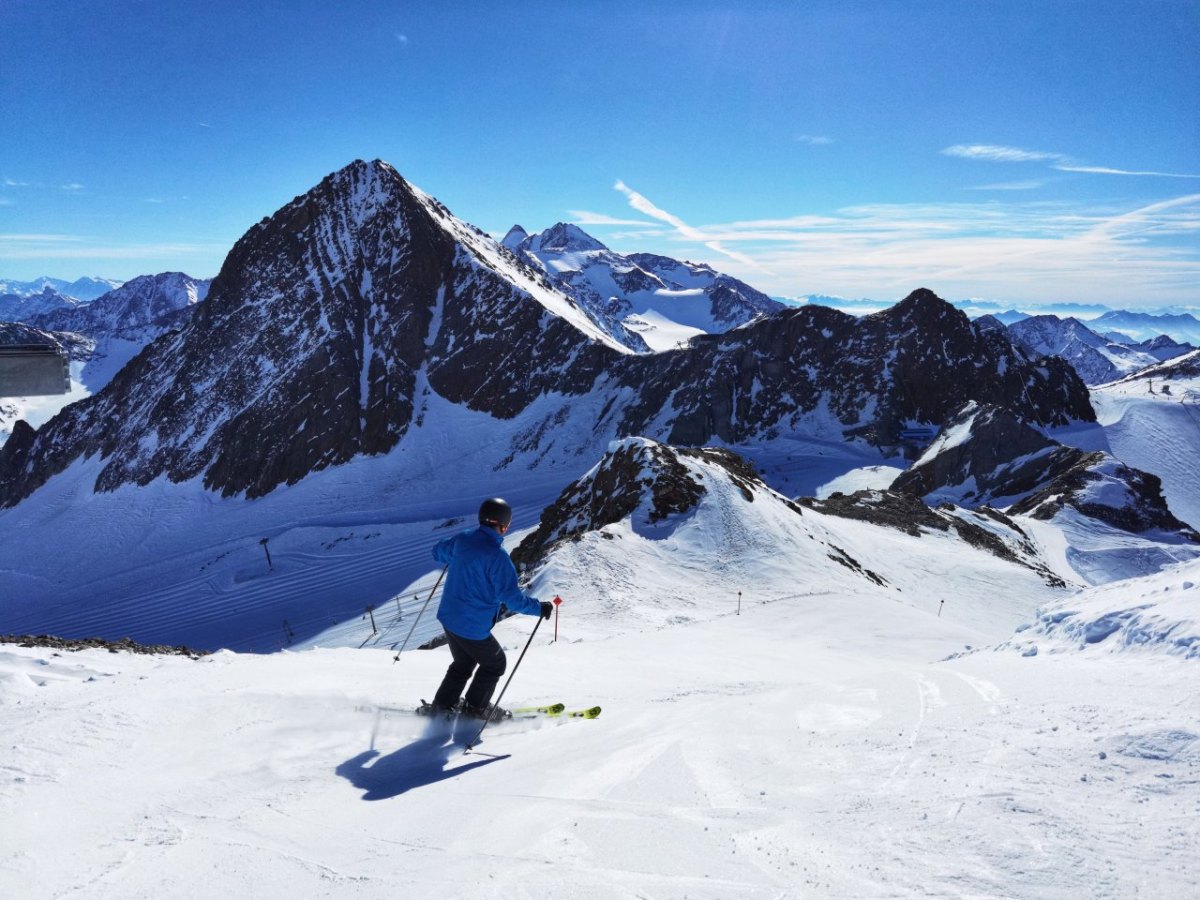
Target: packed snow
[
  {"x": 1151, "y": 429},
  {"x": 773, "y": 726}
]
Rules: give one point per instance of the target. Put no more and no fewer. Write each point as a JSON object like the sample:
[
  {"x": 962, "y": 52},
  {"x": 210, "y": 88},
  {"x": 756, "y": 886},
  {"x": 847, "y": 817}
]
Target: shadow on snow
[{"x": 425, "y": 761}]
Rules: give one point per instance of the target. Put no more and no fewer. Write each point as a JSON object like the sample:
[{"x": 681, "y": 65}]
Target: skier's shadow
[{"x": 425, "y": 761}]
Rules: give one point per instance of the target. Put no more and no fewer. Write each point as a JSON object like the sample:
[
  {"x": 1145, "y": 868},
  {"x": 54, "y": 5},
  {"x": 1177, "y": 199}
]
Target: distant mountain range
[
  {"x": 1118, "y": 325},
  {"x": 338, "y": 323},
  {"x": 136, "y": 309},
  {"x": 1096, "y": 358},
  {"x": 81, "y": 289}
]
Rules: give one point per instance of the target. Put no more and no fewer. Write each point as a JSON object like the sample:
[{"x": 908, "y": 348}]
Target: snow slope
[
  {"x": 1156, "y": 432},
  {"x": 1149, "y": 616},
  {"x": 1095, "y": 358},
  {"x": 815, "y": 745},
  {"x": 794, "y": 704}
]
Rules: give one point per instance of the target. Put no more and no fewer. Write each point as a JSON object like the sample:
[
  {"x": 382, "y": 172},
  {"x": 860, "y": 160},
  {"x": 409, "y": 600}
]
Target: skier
[{"x": 480, "y": 577}]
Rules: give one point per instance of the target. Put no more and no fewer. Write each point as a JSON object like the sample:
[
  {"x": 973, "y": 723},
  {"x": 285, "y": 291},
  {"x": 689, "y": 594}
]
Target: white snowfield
[
  {"x": 820, "y": 735},
  {"x": 1151, "y": 430}
]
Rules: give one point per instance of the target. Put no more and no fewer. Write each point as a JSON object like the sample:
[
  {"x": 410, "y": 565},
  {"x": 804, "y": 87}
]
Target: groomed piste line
[{"x": 333, "y": 589}]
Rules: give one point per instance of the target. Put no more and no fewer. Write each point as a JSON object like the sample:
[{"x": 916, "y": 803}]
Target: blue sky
[{"x": 1016, "y": 151}]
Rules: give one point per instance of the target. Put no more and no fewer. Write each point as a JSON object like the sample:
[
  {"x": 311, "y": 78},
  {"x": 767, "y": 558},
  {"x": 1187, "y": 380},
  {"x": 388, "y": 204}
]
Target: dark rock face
[
  {"x": 17, "y": 333},
  {"x": 919, "y": 361},
  {"x": 75, "y": 644},
  {"x": 985, "y": 452},
  {"x": 991, "y": 449},
  {"x": 308, "y": 348},
  {"x": 150, "y": 302},
  {"x": 632, "y": 473},
  {"x": 1102, "y": 488},
  {"x": 906, "y": 513}
]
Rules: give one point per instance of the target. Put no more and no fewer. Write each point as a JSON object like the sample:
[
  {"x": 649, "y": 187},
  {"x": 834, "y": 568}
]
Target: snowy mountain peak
[
  {"x": 138, "y": 309},
  {"x": 330, "y": 322},
  {"x": 638, "y": 479},
  {"x": 17, "y": 307},
  {"x": 516, "y": 235},
  {"x": 1096, "y": 358},
  {"x": 986, "y": 455},
  {"x": 564, "y": 238}
]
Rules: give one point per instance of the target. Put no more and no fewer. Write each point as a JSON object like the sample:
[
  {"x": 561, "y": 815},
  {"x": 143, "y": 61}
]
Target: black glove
[{"x": 547, "y": 609}]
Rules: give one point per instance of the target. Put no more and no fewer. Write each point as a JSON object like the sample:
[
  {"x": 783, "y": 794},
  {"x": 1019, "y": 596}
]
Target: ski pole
[
  {"x": 396, "y": 658},
  {"x": 479, "y": 733}
]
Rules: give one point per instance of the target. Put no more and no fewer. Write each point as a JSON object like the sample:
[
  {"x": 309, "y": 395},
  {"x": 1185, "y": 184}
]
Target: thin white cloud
[
  {"x": 8, "y": 182},
  {"x": 39, "y": 238},
  {"x": 1018, "y": 251},
  {"x": 402, "y": 38},
  {"x": 1104, "y": 170},
  {"x": 585, "y": 217},
  {"x": 643, "y": 205},
  {"x": 1028, "y": 185},
  {"x": 1152, "y": 218},
  {"x": 1060, "y": 161},
  {"x": 815, "y": 140},
  {"x": 73, "y": 186},
  {"x": 65, "y": 246},
  {"x": 997, "y": 153},
  {"x": 204, "y": 125}
]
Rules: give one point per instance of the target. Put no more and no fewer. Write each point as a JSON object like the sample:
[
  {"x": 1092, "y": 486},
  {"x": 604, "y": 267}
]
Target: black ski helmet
[{"x": 495, "y": 512}]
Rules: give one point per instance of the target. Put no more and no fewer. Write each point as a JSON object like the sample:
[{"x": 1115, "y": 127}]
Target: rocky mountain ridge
[
  {"x": 139, "y": 308},
  {"x": 82, "y": 290},
  {"x": 25, "y": 307},
  {"x": 1096, "y": 358},
  {"x": 629, "y": 293},
  {"x": 335, "y": 323},
  {"x": 985, "y": 455}
]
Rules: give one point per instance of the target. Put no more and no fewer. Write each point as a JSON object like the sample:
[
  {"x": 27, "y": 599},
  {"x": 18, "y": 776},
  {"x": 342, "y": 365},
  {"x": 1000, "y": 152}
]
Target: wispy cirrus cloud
[
  {"x": 1031, "y": 251},
  {"x": 814, "y": 140},
  {"x": 1027, "y": 185},
  {"x": 41, "y": 238},
  {"x": 997, "y": 153},
  {"x": 1059, "y": 161},
  {"x": 585, "y": 217},
  {"x": 28, "y": 246},
  {"x": 72, "y": 186},
  {"x": 1104, "y": 170},
  {"x": 643, "y": 205}
]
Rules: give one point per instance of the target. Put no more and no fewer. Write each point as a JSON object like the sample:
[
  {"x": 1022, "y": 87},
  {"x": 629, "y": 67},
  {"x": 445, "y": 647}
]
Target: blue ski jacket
[{"x": 481, "y": 577}]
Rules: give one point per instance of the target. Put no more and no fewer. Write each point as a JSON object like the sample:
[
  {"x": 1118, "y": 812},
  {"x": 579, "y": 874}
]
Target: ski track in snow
[{"x": 800, "y": 764}]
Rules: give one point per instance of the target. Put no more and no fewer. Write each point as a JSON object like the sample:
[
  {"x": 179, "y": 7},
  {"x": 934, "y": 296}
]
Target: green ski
[
  {"x": 554, "y": 709},
  {"x": 589, "y": 713}
]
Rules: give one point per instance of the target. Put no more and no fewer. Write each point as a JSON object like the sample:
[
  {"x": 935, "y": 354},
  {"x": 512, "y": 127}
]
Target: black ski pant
[{"x": 487, "y": 654}]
